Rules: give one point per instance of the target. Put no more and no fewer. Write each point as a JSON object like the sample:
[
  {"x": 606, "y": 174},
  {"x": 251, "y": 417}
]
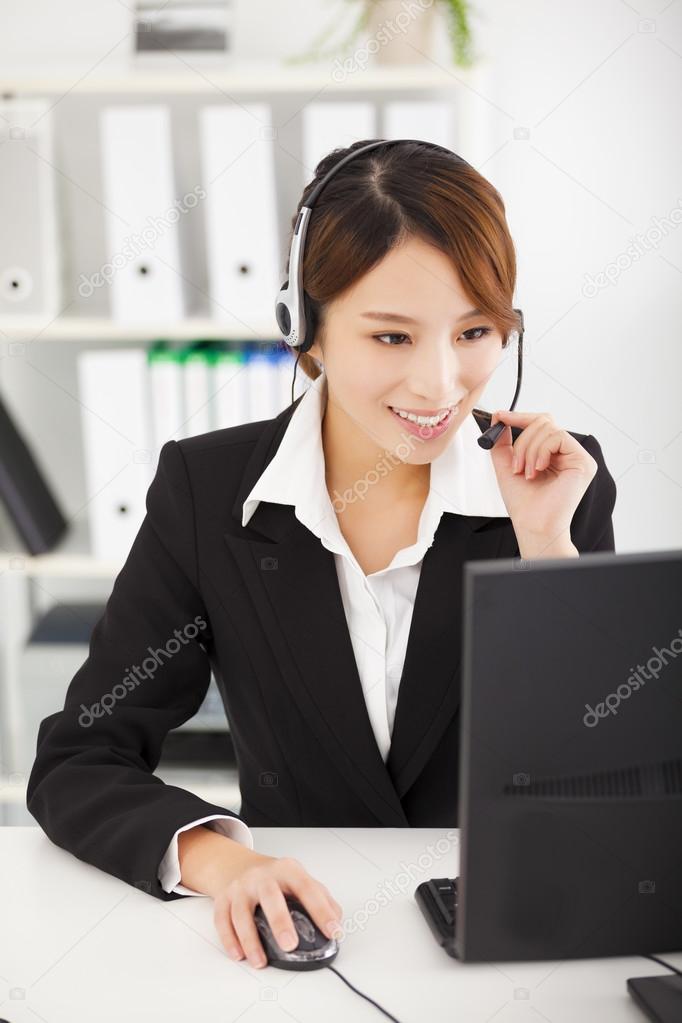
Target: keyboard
[{"x": 437, "y": 900}]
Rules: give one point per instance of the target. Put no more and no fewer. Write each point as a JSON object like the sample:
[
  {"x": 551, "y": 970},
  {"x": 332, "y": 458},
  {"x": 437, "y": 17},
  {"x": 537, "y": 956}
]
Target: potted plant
[{"x": 401, "y": 31}]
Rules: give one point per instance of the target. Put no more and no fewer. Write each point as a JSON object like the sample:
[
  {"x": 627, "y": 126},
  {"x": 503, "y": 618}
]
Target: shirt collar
[{"x": 463, "y": 478}]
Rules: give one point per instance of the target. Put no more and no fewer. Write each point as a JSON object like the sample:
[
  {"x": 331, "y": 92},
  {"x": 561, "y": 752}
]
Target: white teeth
[{"x": 422, "y": 420}]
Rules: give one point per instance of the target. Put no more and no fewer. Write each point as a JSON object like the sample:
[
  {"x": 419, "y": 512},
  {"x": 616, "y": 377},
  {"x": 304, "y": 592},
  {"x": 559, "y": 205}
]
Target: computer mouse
[{"x": 314, "y": 948}]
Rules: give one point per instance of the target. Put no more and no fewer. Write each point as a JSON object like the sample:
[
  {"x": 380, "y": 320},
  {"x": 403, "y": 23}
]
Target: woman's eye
[
  {"x": 379, "y": 336},
  {"x": 471, "y": 336},
  {"x": 481, "y": 331}
]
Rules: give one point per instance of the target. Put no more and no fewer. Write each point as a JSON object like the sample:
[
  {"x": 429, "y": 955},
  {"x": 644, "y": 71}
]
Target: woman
[{"x": 314, "y": 562}]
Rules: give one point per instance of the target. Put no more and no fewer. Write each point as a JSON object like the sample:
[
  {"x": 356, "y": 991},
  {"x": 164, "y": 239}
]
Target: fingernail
[
  {"x": 233, "y": 953},
  {"x": 529, "y": 471},
  {"x": 259, "y": 960},
  {"x": 287, "y": 940},
  {"x": 333, "y": 929}
]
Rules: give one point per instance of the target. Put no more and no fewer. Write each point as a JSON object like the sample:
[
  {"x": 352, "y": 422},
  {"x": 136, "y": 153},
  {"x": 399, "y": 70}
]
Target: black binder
[{"x": 25, "y": 493}]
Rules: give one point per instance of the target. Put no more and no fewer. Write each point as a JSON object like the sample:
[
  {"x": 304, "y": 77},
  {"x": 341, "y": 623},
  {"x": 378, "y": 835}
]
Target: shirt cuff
[{"x": 169, "y": 869}]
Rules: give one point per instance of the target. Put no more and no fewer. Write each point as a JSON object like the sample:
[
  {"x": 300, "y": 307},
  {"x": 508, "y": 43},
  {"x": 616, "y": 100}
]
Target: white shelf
[
  {"x": 70, "y": 560},
  {"x": 101, "y": 328},
  {"x": 236, "y": 79},
  {"x": 59, "y": 566},
  {"x": 205, "y": 723},
  {"x": 12, "y": 790}
]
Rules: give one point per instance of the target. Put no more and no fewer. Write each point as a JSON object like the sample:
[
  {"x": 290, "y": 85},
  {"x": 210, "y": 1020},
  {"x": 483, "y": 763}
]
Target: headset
[{"x": 294, "y": 310}]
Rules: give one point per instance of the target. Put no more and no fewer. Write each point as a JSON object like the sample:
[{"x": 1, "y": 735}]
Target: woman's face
[{"x": 443, "y": 355}]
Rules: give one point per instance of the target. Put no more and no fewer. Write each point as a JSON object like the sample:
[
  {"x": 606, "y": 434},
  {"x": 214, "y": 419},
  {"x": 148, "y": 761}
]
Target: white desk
[{"x": 79, "y": 946}]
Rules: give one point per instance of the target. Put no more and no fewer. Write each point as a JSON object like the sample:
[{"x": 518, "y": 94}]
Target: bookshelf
[
  {"x": 254, "y": 77},
  {"x": 57, "y": 565},
  {"x": 102, "y": 328},
  {"x": 77, "y": 96}
]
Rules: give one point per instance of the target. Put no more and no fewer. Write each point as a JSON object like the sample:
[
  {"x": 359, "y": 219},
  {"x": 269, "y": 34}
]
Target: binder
[
  {"x": 29, "y": 260},
  {"x": 197, "y": 361},
  {"x": 167, "y": 404},
  {"x": 117, "y": 444},
  {"x": 238, "y": 168},
  {"x": 32, "y": 507},
  {"x": 328, "y": 126},
  {"x": 230, "y": 402},
  {"x": 430, "y": 120},
  {"x": 261, "y": 384},
  {"x": 143, "y": 254}
]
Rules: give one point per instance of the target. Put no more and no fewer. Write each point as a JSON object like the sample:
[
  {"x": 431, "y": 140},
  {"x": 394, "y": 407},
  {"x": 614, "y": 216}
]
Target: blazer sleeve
[
  {"x": 592, "y": 525},
  {"x": 92, "y": 787}
]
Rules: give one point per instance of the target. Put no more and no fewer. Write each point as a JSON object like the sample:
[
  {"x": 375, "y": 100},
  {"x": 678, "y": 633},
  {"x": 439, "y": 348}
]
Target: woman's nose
[{"x": 436, "y": 376}]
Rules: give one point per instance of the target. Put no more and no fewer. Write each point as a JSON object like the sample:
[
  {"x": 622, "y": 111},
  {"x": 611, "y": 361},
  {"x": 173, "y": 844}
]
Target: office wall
[{"x": 584, "y": 145}]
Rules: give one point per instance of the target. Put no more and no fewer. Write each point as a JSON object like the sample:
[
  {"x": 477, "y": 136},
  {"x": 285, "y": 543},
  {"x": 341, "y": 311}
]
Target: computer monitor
[{"x": 570, "y": 798}]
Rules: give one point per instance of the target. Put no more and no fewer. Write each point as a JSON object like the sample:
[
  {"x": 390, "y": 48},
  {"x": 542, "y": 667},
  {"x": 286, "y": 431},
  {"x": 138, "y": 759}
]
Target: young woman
[{"x": 314, "y": 562}]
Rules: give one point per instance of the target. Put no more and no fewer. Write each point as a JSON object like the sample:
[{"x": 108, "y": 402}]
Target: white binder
[
  {"x": 167, "y": 406},
  {"x": 328, "y": 126},
  {"x": 262, "y": 382},
  {"x": 430, "y": 120},
  {"x": 230, "y": 403},
  {"x": 197, "y": 372},
  {"x": 119, "y": 462},
  {"x": 238, "y": 170},
  {"x": 29, "y": 263},
  {"x": 143, "y": 253}
]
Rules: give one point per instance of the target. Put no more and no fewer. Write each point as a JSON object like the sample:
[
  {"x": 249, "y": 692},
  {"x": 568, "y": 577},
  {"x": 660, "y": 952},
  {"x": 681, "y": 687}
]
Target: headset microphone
[
  {"x": 490, "y": 433},
  {"x": 294, "y": 310}
]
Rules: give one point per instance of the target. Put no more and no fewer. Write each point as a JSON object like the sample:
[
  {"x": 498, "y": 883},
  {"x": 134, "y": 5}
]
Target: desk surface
[{"x": 79, "y": 946}]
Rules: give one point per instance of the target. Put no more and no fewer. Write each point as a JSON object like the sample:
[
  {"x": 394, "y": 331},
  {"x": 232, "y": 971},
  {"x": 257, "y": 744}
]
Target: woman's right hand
[{"x": 266, "y": 879}]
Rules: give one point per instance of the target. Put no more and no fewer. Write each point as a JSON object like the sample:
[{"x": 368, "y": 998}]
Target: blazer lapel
[{"x": 292, "y": 580}]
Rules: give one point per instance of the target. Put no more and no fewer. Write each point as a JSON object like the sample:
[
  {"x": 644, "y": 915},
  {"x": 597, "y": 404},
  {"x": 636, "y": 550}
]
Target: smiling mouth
[
  {"x": 426, "y": 430},
  {"x": 423, "y": 419}
]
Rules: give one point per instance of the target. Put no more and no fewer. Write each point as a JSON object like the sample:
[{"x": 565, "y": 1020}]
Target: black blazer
[{"x": 276, "y": 636}]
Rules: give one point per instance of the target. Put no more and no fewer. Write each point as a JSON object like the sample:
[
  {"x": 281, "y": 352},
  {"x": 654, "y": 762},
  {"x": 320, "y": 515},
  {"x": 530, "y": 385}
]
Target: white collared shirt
[{"x": 378, "y": 606}]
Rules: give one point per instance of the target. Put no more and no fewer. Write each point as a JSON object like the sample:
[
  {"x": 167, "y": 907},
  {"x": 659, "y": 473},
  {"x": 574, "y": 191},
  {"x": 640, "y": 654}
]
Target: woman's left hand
[{"x": 553, "y": 471}]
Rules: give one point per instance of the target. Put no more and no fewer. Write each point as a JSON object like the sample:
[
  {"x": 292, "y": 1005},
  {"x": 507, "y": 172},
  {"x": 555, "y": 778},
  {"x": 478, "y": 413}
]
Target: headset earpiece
[
  {"x": 310, "y": 321},
  {"x": 282, "y": 313}
]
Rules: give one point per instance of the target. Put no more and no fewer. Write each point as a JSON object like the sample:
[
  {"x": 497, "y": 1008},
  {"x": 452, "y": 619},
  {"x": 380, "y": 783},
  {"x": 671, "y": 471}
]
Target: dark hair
[{"x": 378, "y": 200}]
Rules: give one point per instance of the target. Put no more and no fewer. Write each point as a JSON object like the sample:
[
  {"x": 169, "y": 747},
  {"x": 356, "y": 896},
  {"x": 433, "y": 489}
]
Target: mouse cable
[
  {"x": 662, "y": 962},
  {"x": 376, "y": 1004},
  {"x": 655, "y": 959}
]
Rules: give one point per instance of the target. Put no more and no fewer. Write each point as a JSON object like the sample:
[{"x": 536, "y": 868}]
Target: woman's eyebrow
[{"x": 399, "y": 318}]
